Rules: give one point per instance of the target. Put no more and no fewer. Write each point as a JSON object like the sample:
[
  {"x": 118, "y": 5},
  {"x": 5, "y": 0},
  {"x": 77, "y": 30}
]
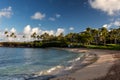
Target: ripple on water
[{"x": 29, "y": 60}]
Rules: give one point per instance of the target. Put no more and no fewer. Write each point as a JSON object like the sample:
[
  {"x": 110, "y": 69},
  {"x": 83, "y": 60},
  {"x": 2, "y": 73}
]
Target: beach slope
[{"x": 95, "y": 70}]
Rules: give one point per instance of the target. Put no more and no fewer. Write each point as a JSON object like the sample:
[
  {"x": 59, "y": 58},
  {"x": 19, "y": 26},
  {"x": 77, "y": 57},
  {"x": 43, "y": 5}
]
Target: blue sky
[{"x": 70, "y": 15}]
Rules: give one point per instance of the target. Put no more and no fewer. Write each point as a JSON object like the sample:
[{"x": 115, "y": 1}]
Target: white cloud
[
  {"x": 6, "y": 12},
  {"x": 27, "y": 30},
  {"x": 13, "y": 30},
  {"x": 58, "y": 15},
  {"x": 38, "y": 16},
  {"x": 107, "y": 26},
  {"x": 117, "y": 23},
  {"x": 6, "y": 29},
  {"x": 59, "y": 31},
  {"x": 51, "y": 32},
  {"x": 52, "y": 19},
  {"x": 35, "y": 30},
  {"x": 111, "y": 7},
  {"x": 71, "y": 28}
]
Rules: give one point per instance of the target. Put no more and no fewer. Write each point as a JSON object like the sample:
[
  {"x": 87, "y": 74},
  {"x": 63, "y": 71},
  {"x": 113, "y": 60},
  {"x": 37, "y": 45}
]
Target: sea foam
[{"x": 71, "y": 66}]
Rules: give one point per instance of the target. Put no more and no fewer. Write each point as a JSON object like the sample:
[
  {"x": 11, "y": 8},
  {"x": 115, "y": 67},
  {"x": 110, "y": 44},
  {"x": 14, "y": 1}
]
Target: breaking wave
[{"x": 60, "y": 70}]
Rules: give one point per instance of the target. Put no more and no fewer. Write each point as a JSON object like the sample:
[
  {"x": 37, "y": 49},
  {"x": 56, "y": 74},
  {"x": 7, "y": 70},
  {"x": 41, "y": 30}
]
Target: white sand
[{"x": 95, "y": 70}]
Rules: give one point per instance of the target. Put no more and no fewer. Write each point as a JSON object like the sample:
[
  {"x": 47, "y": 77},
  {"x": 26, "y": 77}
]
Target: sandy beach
[{"x": 97, "y": 69}]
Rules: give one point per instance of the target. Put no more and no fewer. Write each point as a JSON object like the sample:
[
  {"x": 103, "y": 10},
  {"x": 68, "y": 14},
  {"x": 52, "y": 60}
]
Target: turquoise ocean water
[{"x": 20, "y": 61}]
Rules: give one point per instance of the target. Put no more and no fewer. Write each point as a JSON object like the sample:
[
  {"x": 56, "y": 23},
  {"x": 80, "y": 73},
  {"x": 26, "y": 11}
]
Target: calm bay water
[{"x": 30, "y": 60}]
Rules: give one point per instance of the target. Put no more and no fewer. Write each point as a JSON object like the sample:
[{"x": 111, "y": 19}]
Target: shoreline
[
  {"x": 72, "y": 67},
  {"x": 96, "y": 63},
  {"x": 97, "y": 69},
  {"x": 77, "y": 64}
]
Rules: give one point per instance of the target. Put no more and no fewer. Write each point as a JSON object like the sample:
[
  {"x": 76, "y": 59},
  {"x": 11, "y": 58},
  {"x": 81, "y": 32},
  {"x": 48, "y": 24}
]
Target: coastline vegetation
[{"x": 101, "y": 38}]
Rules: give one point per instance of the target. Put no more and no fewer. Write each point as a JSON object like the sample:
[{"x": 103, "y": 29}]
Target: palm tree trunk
[
  {"x": 115, "y": 41},
  {"x": 104, "y": 42}
]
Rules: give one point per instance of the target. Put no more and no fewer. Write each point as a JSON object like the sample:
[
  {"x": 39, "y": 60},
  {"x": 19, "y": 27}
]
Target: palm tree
[
  {"x": 38, "y": 37},
  {"x": 103, "y": 34},
  {"x": 88, "y": 33},
  {"x": 34, "y": 35},
  {"x": 45, "y": 36},
  {"x": 114, "y": 35},
  {"x": 23, "y": 37},
  {"x": 86, "y": 38},
  {"x": 60, "y": 36},
  {"x": 118, "y": 30},
  {"x": 12, "y": 35},
  {"x": 6, "y": 32},
  {"x": 15, "y": 36},
  {"x": 7, "y": 35},
  {"x": 69, "y": 37},
  {"x": 95, "y": 35},
  {"x": 88, "y": 30}
]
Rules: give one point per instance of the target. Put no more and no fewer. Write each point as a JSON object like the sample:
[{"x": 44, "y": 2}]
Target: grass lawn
[{"x": 108, "y": 46}]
